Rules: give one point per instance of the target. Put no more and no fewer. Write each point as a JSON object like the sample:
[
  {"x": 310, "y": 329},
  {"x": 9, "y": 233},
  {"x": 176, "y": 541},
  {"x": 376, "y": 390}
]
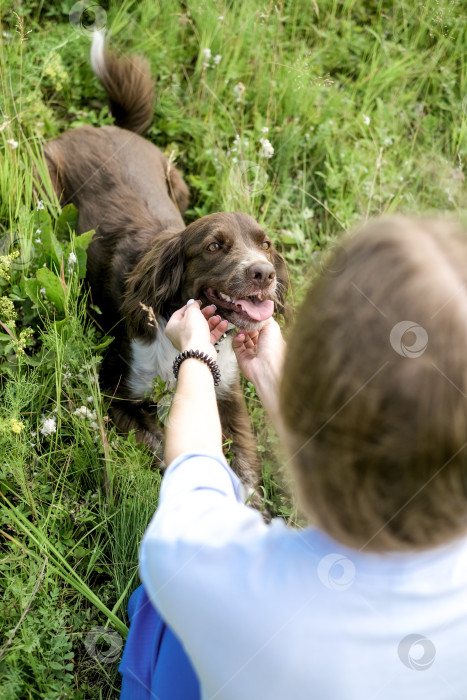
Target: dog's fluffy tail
[{"x": 128, "y": 84}]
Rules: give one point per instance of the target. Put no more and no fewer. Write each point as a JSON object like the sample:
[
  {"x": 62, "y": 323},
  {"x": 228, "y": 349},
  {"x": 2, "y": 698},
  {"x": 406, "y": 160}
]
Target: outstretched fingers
[
  {"x": 245, "y": 340},
  {"x": 217, "y": 328}
]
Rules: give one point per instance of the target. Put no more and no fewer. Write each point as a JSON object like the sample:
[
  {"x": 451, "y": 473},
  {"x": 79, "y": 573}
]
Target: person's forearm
[
  {"x": 267, "y": 388},
  {"x": 194, "y": 424}
]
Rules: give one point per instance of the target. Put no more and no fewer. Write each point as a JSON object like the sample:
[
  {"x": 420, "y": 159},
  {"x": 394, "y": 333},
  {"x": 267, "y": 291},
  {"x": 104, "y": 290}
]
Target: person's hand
[
  {"x": 193, "y": 328},
  {"x": 260, "y": 354}
]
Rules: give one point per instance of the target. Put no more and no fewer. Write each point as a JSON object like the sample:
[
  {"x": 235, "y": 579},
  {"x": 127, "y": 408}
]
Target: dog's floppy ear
[
  {"x": 283, "y": 284},
  {"x": 154, "y": 282}
]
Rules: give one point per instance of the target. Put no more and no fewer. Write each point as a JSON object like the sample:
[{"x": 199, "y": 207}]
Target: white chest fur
[{"x": 155, "y": 359}]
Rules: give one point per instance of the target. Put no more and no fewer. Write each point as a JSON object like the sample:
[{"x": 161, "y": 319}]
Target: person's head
[{"x": 374, "y": 391}]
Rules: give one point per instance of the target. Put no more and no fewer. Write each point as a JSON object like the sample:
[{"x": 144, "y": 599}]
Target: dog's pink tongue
[{"x": 260, "y": 310}]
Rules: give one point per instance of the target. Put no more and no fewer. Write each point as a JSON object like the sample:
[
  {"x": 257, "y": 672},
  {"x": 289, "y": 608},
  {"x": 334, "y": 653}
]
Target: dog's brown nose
[{"x": 261, "y": 273}]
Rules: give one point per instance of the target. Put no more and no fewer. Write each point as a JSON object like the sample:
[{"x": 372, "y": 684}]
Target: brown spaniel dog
[{"x": 144, "y": 257}]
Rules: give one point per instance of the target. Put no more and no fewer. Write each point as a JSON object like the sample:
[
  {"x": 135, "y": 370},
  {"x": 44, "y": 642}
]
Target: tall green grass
[{"x": 365, "y": 106}]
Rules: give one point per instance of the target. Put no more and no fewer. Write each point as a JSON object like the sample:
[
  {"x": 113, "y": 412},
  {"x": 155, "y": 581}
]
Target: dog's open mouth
[{"x": 252, "y": 307}]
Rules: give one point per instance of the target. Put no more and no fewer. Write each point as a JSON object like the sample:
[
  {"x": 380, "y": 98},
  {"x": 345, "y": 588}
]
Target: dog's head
[{"x": 224, "y": 259}]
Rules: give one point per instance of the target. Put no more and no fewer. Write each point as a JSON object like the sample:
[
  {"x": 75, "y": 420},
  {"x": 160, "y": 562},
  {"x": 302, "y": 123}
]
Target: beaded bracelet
[{"x": 204, "y": 357}]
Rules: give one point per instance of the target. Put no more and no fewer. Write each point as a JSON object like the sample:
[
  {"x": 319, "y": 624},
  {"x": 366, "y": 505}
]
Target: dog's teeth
[{"x": 225, "y": 297}]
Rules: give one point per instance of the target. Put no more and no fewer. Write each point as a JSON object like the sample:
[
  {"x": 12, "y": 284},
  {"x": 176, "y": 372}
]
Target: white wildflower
[
  {"x": 42, "y": 290},
  {"x": 366, "y": 119},
  {"x": 72, "y": 259},
  {"x": 84, "y": 412},
  {"x": 206, "y": 57},
  {"x": 267, "y": 149},
  {"x": 220, "y": 18},
  {"x": 48, "y": 426},
  {"x": 265, "y": 130},
  {"x": 40, "y": 205},
  {"x": 81, "y": 412},
  {"x": 12, "y": 144},
  {"x": 239, "y": 90},
  {"x": 234, "y": 160},
  {"x": 217, "y": 59},
  {"x": 38, "y": 231},
  {"x": 90, "y": 399}
]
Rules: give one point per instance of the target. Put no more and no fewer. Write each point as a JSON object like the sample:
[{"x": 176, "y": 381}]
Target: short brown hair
[{"x": 374, "y": 391}]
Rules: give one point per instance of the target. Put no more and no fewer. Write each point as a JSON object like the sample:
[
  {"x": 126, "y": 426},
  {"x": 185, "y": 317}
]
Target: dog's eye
[
  {"x": 265, "y": 245},
  {"x": 212, "y": 247}
]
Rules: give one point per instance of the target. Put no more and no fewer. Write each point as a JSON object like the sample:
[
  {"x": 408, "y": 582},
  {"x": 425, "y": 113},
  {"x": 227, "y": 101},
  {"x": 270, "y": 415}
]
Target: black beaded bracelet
[{"x": 204, "y": 357}]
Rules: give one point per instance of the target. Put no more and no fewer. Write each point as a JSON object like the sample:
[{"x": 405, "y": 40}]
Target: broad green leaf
[
  {"x": 82, "y": 260},
  {"x": 43, "y": 220},
  {"x": 68, "y": 220},
  {"x": 53, "y": 288},
  {"x": 32, "y": 288},
  {"x": 287, "y": 238},
  {"x": 83, "y": 240},
  {"x": 52, "y": 247}
]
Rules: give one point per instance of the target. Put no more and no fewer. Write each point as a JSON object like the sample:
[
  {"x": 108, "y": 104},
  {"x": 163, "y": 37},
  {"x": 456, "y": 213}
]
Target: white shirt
[{"x": 269, "y": 612}]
